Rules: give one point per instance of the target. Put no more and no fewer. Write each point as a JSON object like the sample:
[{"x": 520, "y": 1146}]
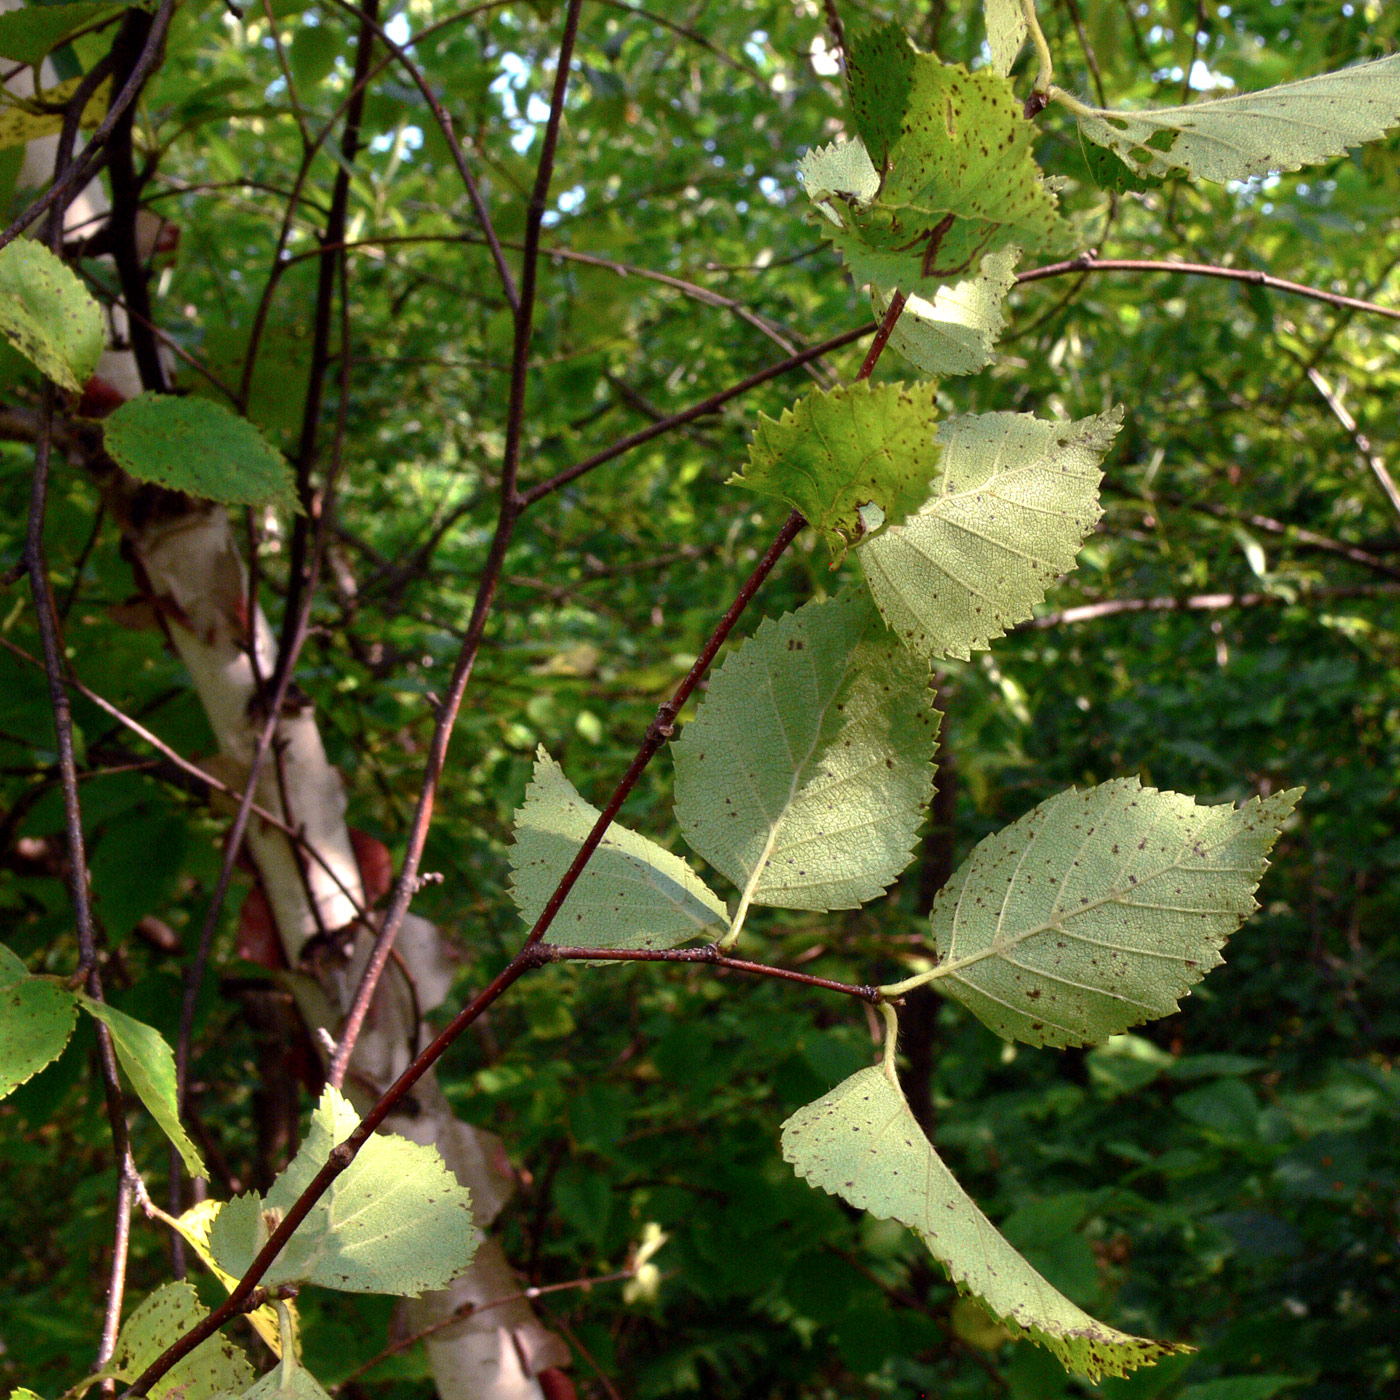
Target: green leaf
[
  {"x": 1099, "y": 909},
  {"x": 27, "y": 35},
  {"x": 215, "y": 1366},
  {"x": 1016, "y": 499},
  {"x": 1006, "y": 32},
  {"x": 861, "y": 1142},
  {"x": 837, "y": 450},
  {"x": 804, "y": 776},
  {"x": 289, "y": 1379},
  {"x": 952, "y": 151},
  {"x": 395, "y": 1221},
  {"x": 955, "y": 332},
  {"x": 631, "y": 894},
  {"x": 1232, "y": 138},
  {"x": 47, "y": 314},
  {"x": 36, "y": 1019},
  {"x": 841, "y": 171},
  {"x": 22, "y": 1394},
  {"x": 149, "y": 1064},
  {"x": 199, "y": 447}
]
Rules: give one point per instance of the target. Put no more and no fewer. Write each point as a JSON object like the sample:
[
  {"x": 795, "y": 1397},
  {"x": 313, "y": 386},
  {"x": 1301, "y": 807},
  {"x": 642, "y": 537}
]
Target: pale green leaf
[
  {"x": 150, "y": 1065},
  {"x": 216, "y": 1365},
  {"x": 1006, "y": 32},
  {"x": 952, "y": 150},
  {"x": 395, "y": 1221},
  {"x": 1016, "y": 499},
  {"x": 631, "y": 894},
  {"x": 22, "y": 1394},
  {"x": 197, "y": 446},
  {"x": 1280, "y": 128},
  {"x": 955, "y": 332},
  {"x": 841, "y": 171},
  {"x": 48, "y": 315},
  {"x": 837, "y": 450},
  {"x": 861, "y": 1142},
  {"x": 289, "y": 1379},
  {"x": 26, "y": 35},
  {"x": 1099, "y": 909},
  {"x": 805, "y": 774}
]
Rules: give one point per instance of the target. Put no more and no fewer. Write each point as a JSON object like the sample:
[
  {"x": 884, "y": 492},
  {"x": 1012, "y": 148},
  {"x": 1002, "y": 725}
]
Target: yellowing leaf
[
  {"x": 861, "y": 1142},
  {"x": 631, "y": 894},
  {"x": 835, "y": 451},
  {"x": 805, "y": 774},
  {"x": 1015, "y": 501},
  {"x": 1232, "y": 138},
  {"x": 20, "y": 123},
  {"x": 1098, "y": 910},
  {"x": 48, "y": 315}
]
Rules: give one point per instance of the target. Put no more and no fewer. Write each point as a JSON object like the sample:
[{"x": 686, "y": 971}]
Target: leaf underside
[
  {"x": 955, "y": 332},
  {"x": 1006, "y": 32},
  {"x": 1099, "y": 909},
  {"x": 861, "y": 1142},
  {"x": 1015, "y": 501},
  {"x": 805, "y": 774},
  {"x": 631, "y": 894},
  {"x": 836, "y": 450},
  {"x": 1280, "y": 128},
  {"x": 394, "y": 1221},
  {"x": 215, "y": 1367},
  {"x": 48, "y": 315}
]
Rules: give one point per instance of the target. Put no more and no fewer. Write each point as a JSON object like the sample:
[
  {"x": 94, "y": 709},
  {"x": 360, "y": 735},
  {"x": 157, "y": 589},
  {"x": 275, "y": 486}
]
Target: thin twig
[
  {"x": 1087, "y": 262},
  {"x": 511, "y": 506},
  {"x": 1206, "y": 602},
  {"x": 1363, "y": 444}
]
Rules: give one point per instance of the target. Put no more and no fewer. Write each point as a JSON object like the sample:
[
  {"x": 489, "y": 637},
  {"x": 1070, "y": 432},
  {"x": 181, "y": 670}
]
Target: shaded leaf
[
  {"x": 289, "y": 1379},
  {"x": 194, "y": 445},
  {"x": 27, "y": 35},
  {"x": 1280, "y": 128},
  {"x": 861, "y": 1142},
  {"x": 395, "y": 1221},
  {"x": 216, "y": 1365},
  {"x": 955, "y": 332},
  {"x": 631, "y": 894},
  {"x": 48, "y": 315},
  {"x": 1098, "y": 910},
  {"x": 952, "y": 150},
  {"x": 150, "y": 1065},
  {"x": 837, "y": 450},
  {"x": 804, "y": 776},
  {"x": 36, "y": 1019},
  {"x": 1016, "y": 499}
]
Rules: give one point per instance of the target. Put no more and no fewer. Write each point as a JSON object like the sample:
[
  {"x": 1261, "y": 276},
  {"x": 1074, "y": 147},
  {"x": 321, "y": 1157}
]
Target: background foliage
[{"x": 1245, "y": 1196}]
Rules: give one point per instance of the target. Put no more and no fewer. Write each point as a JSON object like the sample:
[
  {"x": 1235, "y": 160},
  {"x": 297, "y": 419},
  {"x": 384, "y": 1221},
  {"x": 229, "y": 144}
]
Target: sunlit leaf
[
  {"x": 289, "y": 1379},
  {"x": 1016, "y": 499},
  {"x": 36, "y": 1019},
  {"x": 1280, "y": 128},
  {"x": 48, "y": 315},
  {"x": 395, "y": 1221},
  {"x": 631, "y": 894},
  {"x": 1006, "y": 32},
  {"x": 215, "y": 1366},
  {"x": 195, "y": 445},
  {"x": 1100, "y": 909},
  {"x": 861, "y": 1142},
  {"x": 150, "y": 1065},
  {"x": 20, "y": 124},
  {"x": 835, "y": 451},
  {"x": 804, "y": 776},
  {"x": 955, "y": 332}
]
